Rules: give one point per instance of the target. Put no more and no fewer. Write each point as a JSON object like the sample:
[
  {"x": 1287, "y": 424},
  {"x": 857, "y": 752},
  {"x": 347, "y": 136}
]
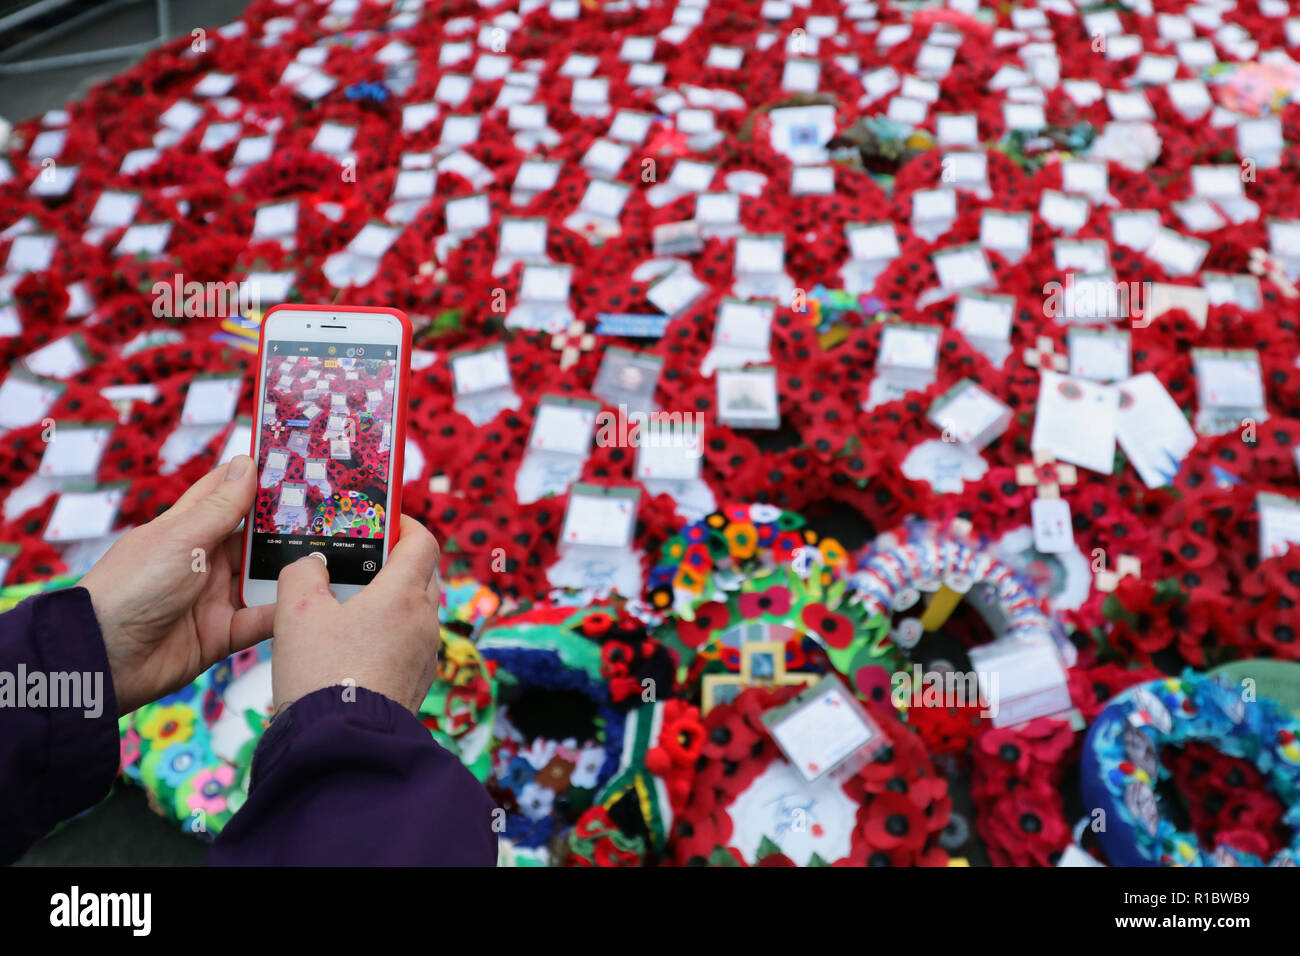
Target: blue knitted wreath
[
  {"x": 544, "y": 670},
  {"x": 1120, "y": 765}
]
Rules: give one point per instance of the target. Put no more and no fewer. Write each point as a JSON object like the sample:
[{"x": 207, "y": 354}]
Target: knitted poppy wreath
[
  {"x": 557, "y": 736},
  {"x": 1121, "y": 770},
  {"x": 460, "y": 707},
  {"x": 748, "y": 806},
  {"x": 1016, "y": 772},
  {"x": 714, "y": 555},
  {"x": 816, "y": 626},
  {"x": 632, "y": 817},
  {"x": 192, "y": 750},
  {"x": 895, "y": 572}
]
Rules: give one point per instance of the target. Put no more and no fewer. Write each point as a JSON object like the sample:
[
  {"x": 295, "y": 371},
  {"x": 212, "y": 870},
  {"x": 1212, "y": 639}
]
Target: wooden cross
[
  {"x": 1044, "y": 355},
  {"x": 1126, "y": 566},
  {"x": 1262, "y": 264},
  {"x": 1046, "y": 473},
  {"x": 572, "y": 343}
]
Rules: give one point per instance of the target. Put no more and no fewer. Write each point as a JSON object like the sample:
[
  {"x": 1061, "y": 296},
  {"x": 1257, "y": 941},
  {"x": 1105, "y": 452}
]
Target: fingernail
[
  {"x": 321, "y": 555},
  {"x": 238, "y": 467}
]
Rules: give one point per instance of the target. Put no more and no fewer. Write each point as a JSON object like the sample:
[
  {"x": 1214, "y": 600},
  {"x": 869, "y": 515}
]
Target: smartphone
[{"x": 329, "y": 431}]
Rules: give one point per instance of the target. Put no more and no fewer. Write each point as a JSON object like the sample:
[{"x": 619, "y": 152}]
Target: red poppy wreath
[{"x": 749, "y": 806}]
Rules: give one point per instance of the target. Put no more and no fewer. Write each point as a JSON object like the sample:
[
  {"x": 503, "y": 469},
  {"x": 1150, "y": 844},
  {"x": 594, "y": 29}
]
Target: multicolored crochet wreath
[
  {"x": 712, "y": 557},
  {"x": 1120, "y": 769},
  {"x": 192, "y": 751},
  {"x": 557, "y": 736},
  {"x": 632, "y": 816}
]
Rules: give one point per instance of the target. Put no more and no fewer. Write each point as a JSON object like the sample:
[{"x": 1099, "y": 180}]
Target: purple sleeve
[
  {"x": 57, "y": 756},
  {"x": 357, "y": 782}
]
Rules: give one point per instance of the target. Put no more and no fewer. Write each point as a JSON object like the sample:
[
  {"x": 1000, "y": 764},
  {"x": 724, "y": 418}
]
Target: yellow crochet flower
[
  {"x": 833, "y": 552},
  {"x": 742, "y": 539},
  {"x": 688, "y": 580},
  {"x": 171, "y": 724}
]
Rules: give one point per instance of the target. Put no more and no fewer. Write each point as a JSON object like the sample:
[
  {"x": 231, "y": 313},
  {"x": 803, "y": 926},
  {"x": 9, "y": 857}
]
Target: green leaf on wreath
[{"x": 720, "y": 857}]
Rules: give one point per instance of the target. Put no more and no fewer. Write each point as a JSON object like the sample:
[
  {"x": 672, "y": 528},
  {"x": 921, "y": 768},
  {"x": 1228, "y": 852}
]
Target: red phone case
[{"x": 399, "y": 423}]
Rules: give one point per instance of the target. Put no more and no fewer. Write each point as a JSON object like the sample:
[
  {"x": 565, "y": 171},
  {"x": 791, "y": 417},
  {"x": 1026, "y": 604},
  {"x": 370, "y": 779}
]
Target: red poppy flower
[
  {"x": 1279, "y": 632},
  {"x": 835, "y": 630},
  {"x": 1047, "y": 740},
  {"x": 727, "y": 736},
  {"x": 774, "y": 600},
  {"x": 709, "y": 617},
  {"x": 682, "y": 739},
  {"x": 597, "y": 625},
  {"x": 894, "y": 821},
  {"x": 1025, "y": 828},
  {"x": 1006, "y": 748}
]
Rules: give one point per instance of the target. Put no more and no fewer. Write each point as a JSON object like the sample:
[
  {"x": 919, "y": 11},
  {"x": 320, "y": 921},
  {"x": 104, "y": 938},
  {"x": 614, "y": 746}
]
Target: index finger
[
  {"x": 197, "y": 491},
  {"x": 413, "y": 561}
]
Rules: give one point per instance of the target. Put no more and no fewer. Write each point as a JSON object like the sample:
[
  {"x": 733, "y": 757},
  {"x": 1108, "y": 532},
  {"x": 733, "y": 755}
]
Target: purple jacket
[{"x": 333, "y": 781}]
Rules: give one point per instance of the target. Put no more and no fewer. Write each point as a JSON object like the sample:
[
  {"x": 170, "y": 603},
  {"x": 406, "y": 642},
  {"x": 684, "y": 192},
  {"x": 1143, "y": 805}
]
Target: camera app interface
[{"x": 326, "y": 437}]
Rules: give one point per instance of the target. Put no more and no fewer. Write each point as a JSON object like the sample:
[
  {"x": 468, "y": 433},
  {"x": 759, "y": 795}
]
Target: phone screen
[{"x": 323, "y": 456}]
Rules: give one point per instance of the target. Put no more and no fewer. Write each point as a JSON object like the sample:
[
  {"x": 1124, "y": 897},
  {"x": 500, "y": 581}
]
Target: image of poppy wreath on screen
[
  {"x": 1121, "y": 770},
  {"x": 748, "y": 806}
]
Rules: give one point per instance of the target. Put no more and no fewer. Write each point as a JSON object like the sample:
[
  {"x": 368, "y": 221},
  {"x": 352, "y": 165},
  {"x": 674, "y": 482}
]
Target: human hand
[
  {"x": 167, "y": 593},
  {"x": 384, "y": 639}
]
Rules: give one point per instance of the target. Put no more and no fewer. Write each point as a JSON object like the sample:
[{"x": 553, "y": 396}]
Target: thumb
[
  {"x": 302, "y": 582},
  {"x": 214, "y": 516}
]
